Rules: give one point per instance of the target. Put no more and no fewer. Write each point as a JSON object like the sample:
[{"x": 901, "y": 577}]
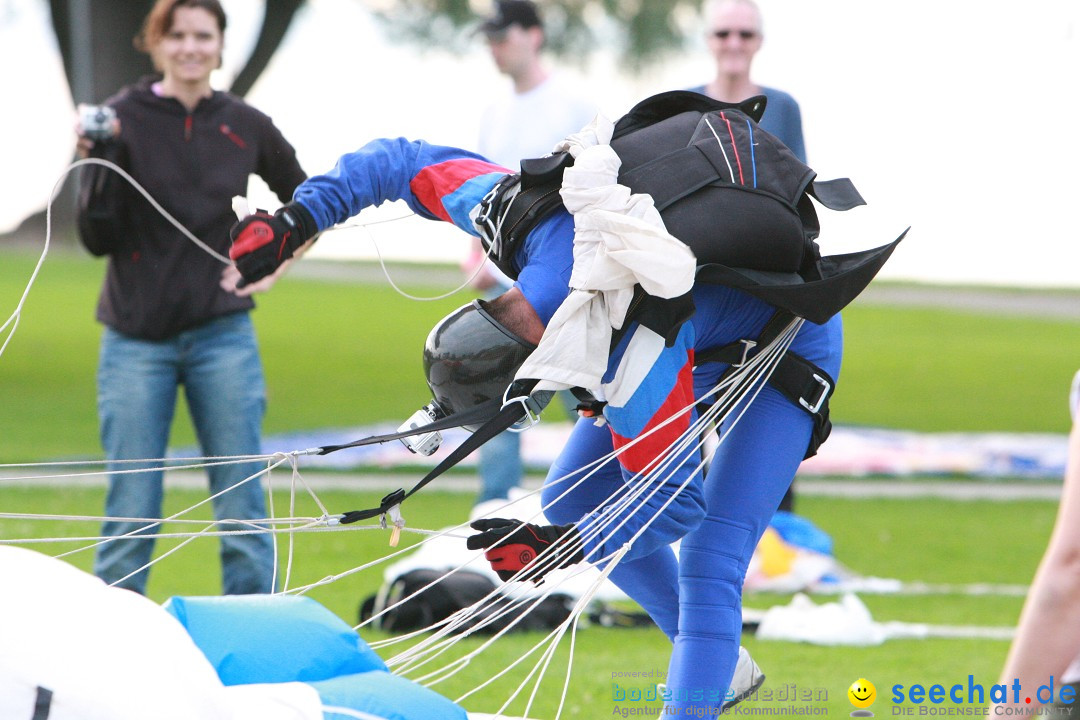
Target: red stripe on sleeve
[{"x": 435, "y": 182}]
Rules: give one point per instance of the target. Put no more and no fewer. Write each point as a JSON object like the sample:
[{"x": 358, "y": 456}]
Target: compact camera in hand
[
  {"x": 426, "y": 443},
  {"x": 98, "y": 122}
]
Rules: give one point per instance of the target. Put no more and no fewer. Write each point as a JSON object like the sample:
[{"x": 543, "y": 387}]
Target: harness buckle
[
  {"x": 748, "y": 346},
  {"x": 484, "y": 221},
  {"x": 488, "y": 220},
  {"x": 529, "y": 405},
  {"x": 826, "y": 388}
]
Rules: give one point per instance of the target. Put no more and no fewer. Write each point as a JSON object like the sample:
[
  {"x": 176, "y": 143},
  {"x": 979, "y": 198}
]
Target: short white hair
[{"x": 713, "y": 6}]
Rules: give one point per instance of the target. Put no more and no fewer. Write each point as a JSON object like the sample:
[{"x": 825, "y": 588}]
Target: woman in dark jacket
[{"x": 172, "y": 312}]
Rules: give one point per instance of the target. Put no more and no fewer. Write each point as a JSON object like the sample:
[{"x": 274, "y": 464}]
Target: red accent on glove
[
  {"x": 252, "y": 233},
  {"x": 510, "y": 558}
]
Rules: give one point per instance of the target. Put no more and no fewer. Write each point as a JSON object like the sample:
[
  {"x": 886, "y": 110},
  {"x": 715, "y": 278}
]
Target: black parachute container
[{"x": 733, "y": 193}]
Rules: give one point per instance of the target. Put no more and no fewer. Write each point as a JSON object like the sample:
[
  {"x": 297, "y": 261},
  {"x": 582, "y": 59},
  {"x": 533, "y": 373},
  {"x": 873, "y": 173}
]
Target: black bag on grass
[{"x": 452, "y": 593}]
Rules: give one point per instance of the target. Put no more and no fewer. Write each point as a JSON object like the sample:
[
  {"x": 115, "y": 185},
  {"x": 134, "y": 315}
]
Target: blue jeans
[
  {"x": 499, "y": 466},
  {"x": 219, "y": 367}
]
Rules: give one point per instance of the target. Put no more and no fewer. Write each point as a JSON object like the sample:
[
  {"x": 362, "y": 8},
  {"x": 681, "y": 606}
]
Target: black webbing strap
[
  {"x": 677, "y": 174},
  {"x": 479, "y": 414},
  {"x": 796, "y": 378},
  {"x": 42, "y": 704},
  {"x": 526, "y": 209},
  {"x": 587, "y": 405},
  {"x": 738, "y": 353},
  {"x": 504, "y": 418}
]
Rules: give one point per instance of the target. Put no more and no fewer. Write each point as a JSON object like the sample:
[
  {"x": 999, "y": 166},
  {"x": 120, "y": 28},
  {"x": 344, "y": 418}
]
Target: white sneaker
[{"x": 745, "y": 681}]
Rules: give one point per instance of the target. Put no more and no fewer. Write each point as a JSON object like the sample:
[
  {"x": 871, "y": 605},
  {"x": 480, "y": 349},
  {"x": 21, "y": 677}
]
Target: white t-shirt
[{"x": 528, "y": 125}]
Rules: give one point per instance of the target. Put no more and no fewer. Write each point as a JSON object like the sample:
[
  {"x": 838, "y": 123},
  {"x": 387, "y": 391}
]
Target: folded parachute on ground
[{"x": 73, "y": 648}]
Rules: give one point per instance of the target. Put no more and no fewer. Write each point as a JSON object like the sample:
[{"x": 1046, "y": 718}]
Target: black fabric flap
[
  {"x": 544, "y": 170},
  {"x": 843, "y": 277},
  {"x": 838, "y": 194}
]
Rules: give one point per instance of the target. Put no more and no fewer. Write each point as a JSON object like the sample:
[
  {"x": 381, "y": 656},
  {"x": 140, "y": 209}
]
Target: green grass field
[
  {"x": 934, "y": 541},
  {"x": 341, "y": 354}
]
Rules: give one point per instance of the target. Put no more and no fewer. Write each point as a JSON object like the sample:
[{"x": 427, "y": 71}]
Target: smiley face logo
[{"x": 862, "y": 693}]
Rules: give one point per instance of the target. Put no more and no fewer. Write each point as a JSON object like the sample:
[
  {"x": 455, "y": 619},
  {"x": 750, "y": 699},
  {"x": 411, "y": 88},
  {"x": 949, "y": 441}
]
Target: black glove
[
  {"x": 522, "y": 543},
  {"x": 261, "y": 242}
]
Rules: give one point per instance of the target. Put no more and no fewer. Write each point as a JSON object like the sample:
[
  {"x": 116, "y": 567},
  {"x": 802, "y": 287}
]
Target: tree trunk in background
[
  {"x": 276, "y": 22},
  {"x": 105, "y": 34}
]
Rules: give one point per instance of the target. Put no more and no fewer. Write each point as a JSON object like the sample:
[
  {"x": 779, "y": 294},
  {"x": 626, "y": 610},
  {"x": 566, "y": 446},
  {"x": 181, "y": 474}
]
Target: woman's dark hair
[{"x": 160, "y": 20}]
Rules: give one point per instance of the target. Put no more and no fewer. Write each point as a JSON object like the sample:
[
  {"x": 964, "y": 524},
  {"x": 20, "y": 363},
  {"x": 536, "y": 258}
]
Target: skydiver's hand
[
  {"x": 525, "y": 546},
  {"x": 262, "y": 242}
]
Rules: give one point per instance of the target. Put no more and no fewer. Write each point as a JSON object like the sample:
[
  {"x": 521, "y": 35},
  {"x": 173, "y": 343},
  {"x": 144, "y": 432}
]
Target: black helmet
[{"x": 469, "y": 358}]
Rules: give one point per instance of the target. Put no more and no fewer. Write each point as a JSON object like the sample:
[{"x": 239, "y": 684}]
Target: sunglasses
[{"x": 743, "y": 34}]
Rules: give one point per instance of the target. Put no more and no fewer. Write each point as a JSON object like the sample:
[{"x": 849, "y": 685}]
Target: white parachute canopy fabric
[
  {"x": 619, "y": 241},
  {"x": 112, "y": 654}
]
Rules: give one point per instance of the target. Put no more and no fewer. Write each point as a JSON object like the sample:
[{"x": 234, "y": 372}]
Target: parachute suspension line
[
  {"x": 270, "y": 510},
  {"x": 165, "y": 464},
  {"x": 138, "y": 531},
  {"x": 753, "y": 375},
  {"x": 294, "y": 525},
  {"x": 722, "y": 150},
  {"x": 459, "y": 664},
  {"x": 749, "y": 389},
  {"x": 753, "y": 160},
  {"x": 295, "y": 478},
  {"x": 155, "y": 561},
  {"x": 433, "y": 647},
  {"x": 386, "y": 271},
  {"x": 436, "y": 645},
  {"x": 494, "y": 597},
  {"x": 709, "y": 416},
  {"x": 586, "y": 472},
  {"x": 12, "y": 323},
  {"x": 304, "y": 589},
  {"x": 639, "y": 486},
  {"x": 638, "y": 489},
  {"x": 142, "y": 191},
  {"x": 734, "y": 147},
  {"x": 579, "y": 608},
  {"x": 575, "y": 616},
  {"x": 497, "y": 598}
]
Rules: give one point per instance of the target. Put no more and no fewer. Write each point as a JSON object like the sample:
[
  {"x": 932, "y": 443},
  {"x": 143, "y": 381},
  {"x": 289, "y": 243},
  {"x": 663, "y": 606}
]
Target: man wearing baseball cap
[{"x": 523, "y": 121}]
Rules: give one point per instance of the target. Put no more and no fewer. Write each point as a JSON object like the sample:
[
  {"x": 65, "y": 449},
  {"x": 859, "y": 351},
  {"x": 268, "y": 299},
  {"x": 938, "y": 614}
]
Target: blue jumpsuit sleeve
[{"x": 435, "y": 181}]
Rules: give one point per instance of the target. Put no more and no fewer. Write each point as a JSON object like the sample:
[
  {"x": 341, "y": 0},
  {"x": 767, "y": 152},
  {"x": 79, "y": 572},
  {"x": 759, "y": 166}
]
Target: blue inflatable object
[
  {"x": 272, "y": 638},
  {"x": 800, "y": 532},
  {"x": 386, "y": 696},
  {"x": 280, "y": 638}
]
